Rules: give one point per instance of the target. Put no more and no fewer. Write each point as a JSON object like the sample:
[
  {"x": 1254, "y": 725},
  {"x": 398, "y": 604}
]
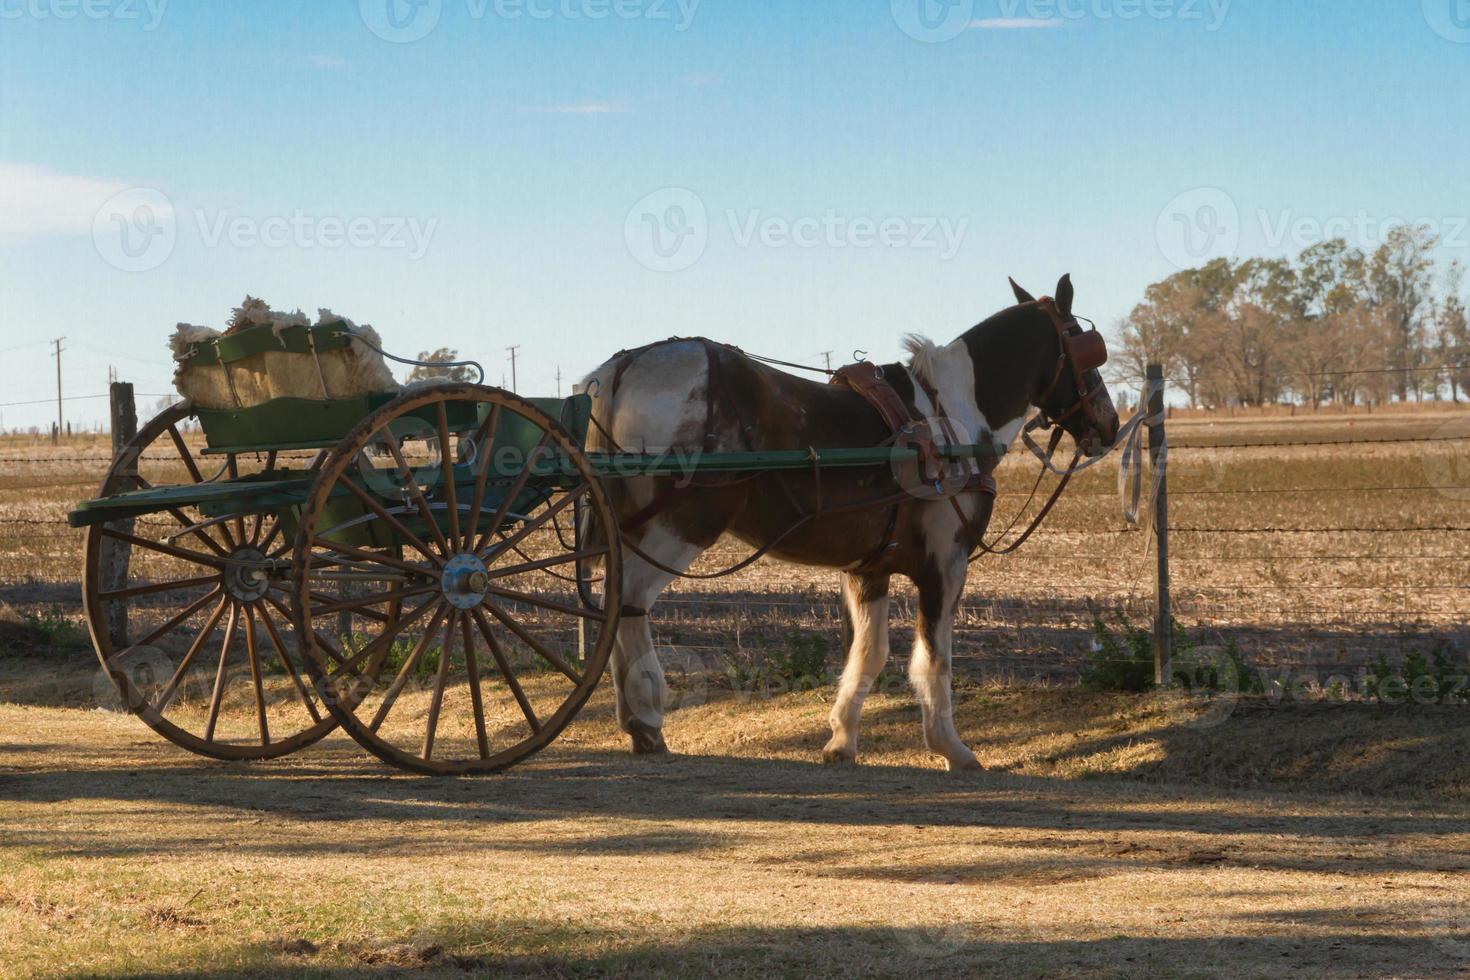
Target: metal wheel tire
[
  {"x": 501, "y": 638},
  {"x": 208, "y": 654}
]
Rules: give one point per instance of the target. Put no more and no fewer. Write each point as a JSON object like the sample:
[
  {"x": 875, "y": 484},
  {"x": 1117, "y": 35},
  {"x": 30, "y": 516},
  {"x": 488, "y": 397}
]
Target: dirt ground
[{"x": 1110, "y": 836}]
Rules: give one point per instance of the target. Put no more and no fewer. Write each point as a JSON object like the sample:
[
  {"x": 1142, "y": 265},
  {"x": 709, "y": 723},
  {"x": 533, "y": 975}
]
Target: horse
[{"x": 695, "y": 396}]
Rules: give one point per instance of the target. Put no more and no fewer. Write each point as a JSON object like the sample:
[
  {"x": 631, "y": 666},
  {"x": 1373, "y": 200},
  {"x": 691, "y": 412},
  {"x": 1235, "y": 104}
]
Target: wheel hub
[
  {"x": 247, "y": 576},
  {"x": 465, "y": 581}
]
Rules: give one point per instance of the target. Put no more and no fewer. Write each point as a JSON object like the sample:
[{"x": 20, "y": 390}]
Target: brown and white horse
[{"x": 692, "y": 396}]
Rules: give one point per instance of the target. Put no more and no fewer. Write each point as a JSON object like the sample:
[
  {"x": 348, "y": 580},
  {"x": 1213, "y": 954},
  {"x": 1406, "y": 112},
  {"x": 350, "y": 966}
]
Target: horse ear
[
  {"x": 1065, "y": 294},
  {"x": 1021, "y": 295}
]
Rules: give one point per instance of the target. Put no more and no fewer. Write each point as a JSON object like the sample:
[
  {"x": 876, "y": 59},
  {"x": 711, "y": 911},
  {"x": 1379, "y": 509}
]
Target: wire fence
[{"x": 1308, "y": 563}]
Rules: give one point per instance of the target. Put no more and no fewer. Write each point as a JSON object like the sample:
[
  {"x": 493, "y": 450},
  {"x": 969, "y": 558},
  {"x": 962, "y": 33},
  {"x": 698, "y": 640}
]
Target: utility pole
[
  {"x": 828, "y": 355},
  {"x": 513, "y": 365},
  {"x": 57, "y": 355},
  {"x": 558, "y": 381}
]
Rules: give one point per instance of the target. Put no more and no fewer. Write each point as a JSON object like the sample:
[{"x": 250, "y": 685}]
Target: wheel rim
[
  {"x": 508, "y": 587},
  {"x": 208, "y": 658}
]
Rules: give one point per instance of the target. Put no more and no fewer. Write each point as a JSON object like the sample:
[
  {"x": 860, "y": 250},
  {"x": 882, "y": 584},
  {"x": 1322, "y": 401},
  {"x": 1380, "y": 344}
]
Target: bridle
[{"x": 1080, "y": 351}]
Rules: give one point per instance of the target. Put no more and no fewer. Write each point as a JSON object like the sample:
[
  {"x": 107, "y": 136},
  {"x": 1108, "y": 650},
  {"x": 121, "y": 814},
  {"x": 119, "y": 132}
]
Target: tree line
[{"x": 1334, "y": 325}]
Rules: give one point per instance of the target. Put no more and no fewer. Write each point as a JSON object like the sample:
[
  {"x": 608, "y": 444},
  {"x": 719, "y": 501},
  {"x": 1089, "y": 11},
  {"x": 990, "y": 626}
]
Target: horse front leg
[
  {"x": 637, "y": 674},
  {"x": 866, "y": 597},
  {"x": 931, "y": 667}
]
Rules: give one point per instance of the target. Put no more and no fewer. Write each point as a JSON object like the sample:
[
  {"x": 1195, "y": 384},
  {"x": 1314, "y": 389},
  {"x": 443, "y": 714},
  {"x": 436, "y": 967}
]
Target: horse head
[{"x": 1069, "y": 389}]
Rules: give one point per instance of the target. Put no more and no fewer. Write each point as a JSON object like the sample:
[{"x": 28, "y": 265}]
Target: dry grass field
[{"x": 1111, "y": 835}]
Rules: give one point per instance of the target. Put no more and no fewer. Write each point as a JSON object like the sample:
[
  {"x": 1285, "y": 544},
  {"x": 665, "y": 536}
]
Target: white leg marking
[
  {"x": 637, "y": 674},
  {"x": 931, "y": 665},
  {"x": 864, "y": 662}
]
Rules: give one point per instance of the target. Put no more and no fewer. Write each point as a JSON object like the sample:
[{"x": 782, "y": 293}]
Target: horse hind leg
[
  {"x": 638, "y": 677},
  {"x": 866, "y": 597},
  {"x": 931, "y": 665}
]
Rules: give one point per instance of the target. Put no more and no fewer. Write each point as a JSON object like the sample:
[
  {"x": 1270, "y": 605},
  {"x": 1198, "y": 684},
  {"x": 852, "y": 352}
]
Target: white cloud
[
  {"x": 325, "y": 61},
  {"x": 1016, "y": 23},
  {"x": 582, "y": 109},
  {"x": 38, "y": 201}
]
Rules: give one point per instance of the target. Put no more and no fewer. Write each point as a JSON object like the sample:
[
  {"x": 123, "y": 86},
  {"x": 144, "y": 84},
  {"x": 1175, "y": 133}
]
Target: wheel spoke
[
  {"x": 391, "y": 695},
  {"x": 370, "y": 653},
  {"x": 530, "y": 526},
  {"x": 540, "y": 648},
  {"x": 482, "y": 443},
  {"x": 553, "y": 605},
  {"x": 398, "y": 526},
  {"x": 219, "y": 678},
  {"x": 431, "y": 726},
  {"x": 532, "y": 566},
  {"x": 167, "y": 627},
  {"x": 172, "y": 687},
  {"x": 511, "y": 494},
  {"x": 232, "y": 467},
  {"x": 345, "y": 605},
  {"x": 371, "y": 557},
  {"x": 477, "y": 698},
  {"x": 446, "y": 480},
  {"x": 183, "y": 554},
  {"x": 418, "y": 494},
  {"x": 270, "y": 629},
  {"x": 507, "y": 672},
  {"x": 170, "y": 586},
  {"x": 255, "y": 679}
]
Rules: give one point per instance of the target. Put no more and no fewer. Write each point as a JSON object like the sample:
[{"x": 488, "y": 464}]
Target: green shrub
[
  {"x": 799, "y": 665},
  {"x": 1121, "y": 660},
  {"x": 1440, "y": 678}
]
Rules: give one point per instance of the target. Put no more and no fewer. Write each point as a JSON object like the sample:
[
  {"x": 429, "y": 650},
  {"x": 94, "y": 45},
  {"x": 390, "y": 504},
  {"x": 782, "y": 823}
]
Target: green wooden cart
[{"x": 437, "y": 571}]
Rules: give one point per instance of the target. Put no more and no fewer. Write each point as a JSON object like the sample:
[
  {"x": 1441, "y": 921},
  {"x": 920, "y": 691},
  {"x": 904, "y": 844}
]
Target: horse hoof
[
  {"x": 970, "y": 764},
  {"x": 839, "y": 757},
  {"x": 646, "y": 740}
]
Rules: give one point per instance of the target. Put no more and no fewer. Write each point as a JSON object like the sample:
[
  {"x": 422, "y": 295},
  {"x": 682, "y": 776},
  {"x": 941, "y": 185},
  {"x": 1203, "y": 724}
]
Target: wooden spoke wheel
[
  {"x": 190, "y": 615},
  {"x": 508, "y": 579}
]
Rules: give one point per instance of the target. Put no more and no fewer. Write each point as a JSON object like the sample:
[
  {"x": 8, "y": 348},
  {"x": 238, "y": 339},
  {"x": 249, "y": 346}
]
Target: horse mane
[{"x": 922, "y": 352}]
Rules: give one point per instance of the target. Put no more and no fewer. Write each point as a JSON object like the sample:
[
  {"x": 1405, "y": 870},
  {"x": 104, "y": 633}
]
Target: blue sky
[{"x": 818, "y": 175}]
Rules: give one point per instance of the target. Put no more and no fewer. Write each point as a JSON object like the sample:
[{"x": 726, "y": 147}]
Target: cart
[{"x": 436, "y": 571}]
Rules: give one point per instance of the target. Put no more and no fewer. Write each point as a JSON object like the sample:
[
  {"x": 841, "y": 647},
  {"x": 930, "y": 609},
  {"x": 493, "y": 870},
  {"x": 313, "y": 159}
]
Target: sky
[{"x": 575, "y": 177}]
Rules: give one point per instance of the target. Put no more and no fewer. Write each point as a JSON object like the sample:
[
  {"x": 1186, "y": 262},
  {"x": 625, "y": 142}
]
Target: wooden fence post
[
  {"x": 117, "y": 554},
  {"x": 1159, "y": 457}
]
